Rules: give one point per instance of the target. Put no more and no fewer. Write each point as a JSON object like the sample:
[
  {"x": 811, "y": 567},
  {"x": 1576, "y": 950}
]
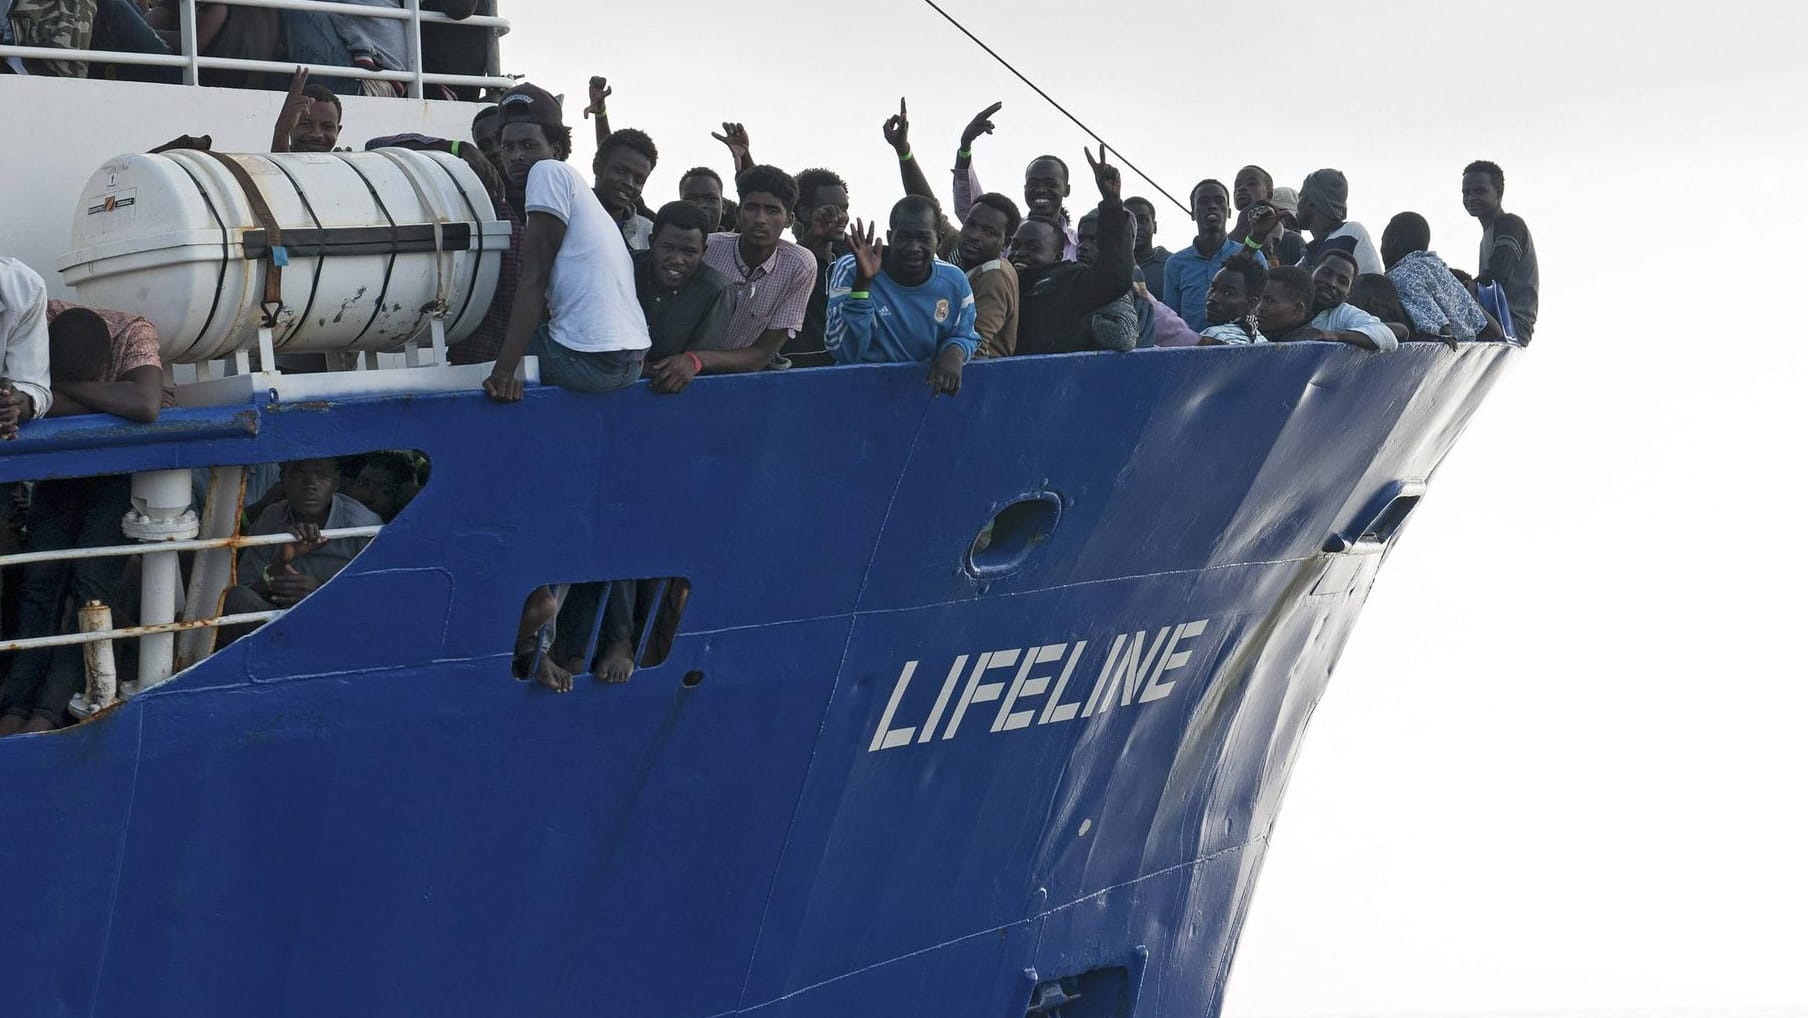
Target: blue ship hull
[{"x": 357, "y": 811}]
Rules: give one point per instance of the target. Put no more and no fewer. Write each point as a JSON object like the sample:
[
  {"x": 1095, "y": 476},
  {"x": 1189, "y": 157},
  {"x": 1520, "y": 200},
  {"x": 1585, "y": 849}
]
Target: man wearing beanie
[
  {"x": 575, "y": 306},
  {"x": 1323, "y": 208}
]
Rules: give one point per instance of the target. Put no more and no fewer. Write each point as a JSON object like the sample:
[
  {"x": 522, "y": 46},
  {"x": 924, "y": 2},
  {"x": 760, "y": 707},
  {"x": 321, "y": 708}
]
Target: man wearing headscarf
[{"x": 1323, "y": 212}]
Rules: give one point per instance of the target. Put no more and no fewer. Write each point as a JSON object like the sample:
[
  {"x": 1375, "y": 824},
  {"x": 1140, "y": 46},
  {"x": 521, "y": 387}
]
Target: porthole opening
[{"x": 1005, "y": 544}]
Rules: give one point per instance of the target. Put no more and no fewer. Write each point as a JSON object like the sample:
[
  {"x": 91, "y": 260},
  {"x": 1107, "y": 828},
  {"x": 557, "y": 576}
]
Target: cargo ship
[{"x": 973, "y": 707}]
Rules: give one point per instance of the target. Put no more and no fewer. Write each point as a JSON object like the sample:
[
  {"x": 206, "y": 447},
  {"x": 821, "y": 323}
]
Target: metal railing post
[
  {"x": 191, "y": 46},
  {"x": 416, "y": 90},
  {"x": 160, "y": 513}
]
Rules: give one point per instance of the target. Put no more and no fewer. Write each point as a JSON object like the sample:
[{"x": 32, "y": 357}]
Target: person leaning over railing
[{"x": 100, "y": 362}]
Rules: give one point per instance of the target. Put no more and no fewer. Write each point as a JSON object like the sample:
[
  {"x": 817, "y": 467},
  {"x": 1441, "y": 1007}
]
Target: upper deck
[{"x": 77, "y": 124}]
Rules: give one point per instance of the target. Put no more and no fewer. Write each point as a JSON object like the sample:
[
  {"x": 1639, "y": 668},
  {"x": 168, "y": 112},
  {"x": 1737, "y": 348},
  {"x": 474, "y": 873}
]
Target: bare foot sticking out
[{"x": 617, "y": 663}]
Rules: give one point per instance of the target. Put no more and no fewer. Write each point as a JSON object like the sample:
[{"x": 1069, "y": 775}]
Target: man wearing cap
[
  {"x": 1323, "y": 208},
  {"x": 1253, "y": 186},
  {"x": 576, "y": 273}
]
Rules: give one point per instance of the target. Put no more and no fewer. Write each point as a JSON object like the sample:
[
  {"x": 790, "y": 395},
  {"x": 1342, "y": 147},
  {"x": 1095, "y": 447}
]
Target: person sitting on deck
[
  {"x": 624, "y": 160},
  {"x": 772, "y": 276},
  {"x": 894, "y": 301},
  {"x": 347, "y": 40},
  {"x": 280, "y": 575},
  {"x": 1323, "y": 212},
  {"x": 1434, "y": 303},
  {"x": 819, "y": 227},
  {"x": 1045, "y": 184},
  {"x": 386, "y": 483},
  {"x": 100, "y": 362},
  {"x": 1253, "y": 186},
  {"x": 1285, "y": 313},
  {"x": 458, "y": 49},
  {"x": 1507, "y": 254},
  {"x": 1191, "y": 269},
  {"x": 687, "y": 303},
  {"x": 1151, "y": 322},
  {"x": 1231, "y": 304},
  {"x": 574, "y": 305},
  {"x": 1150, "y": 259},
  {"x": 1339, "y": 320},
  {"x": 310, "y": 117}
]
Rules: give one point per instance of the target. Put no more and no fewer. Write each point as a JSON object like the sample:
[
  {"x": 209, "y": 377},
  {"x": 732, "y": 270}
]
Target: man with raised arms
[
  {"x": 1056, "y": 297},
  {"x": 310, "y": 117},
  {"x": 1254, "y": 186},
  {"x": 977, "y": 245},
  {"x": 894, "y": 301},
  {"x": 624, "y": 160},
  {"x": 1191, "y": 269},
  {"x": 1045, "y": 184}
]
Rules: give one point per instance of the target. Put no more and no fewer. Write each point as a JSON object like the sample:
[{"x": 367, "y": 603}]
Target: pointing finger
[
  {"x": 902, "y": 110},
  {"x": 994, "y": 108}
]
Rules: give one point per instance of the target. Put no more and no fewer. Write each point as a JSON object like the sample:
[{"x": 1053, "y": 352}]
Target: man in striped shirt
[{"x": 772, "y": 276}]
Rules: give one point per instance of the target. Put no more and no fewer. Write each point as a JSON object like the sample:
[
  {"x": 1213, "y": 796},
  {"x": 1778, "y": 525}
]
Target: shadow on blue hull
[{"x": 357, "y": 811}]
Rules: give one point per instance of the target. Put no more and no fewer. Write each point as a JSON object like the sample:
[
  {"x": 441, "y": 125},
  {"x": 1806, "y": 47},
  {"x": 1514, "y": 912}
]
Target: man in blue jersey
[
  {"x": 1189, "y": 271},
  {"x": 894, "y": 300}
]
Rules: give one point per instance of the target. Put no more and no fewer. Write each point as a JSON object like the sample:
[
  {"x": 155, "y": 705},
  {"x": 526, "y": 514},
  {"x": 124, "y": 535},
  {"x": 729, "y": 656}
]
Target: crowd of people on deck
[
  {"x": 605, "y": 291},
  {"x": 153, "y": 28}
]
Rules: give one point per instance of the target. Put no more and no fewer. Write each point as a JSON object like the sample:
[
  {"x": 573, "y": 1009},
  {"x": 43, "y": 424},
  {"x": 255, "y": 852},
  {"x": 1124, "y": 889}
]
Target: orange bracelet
[{"x": 696, "y": 362}]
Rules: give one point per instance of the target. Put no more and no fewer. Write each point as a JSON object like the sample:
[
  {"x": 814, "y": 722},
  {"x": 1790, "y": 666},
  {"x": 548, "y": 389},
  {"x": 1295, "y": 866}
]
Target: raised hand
[
  {"x": 1263, "y": 221},
  {"x": 869, "y": 252},
  {"x": 294, "y": 105},
  {"x": 1111, "y": 185},
  {"x": 599, "y": 93},
  {"x": 897, "y": 130},
  {"x": 735, "y": 137},
  {"x": 826, "y": 226},
  {"x": 980, "y": 124}
]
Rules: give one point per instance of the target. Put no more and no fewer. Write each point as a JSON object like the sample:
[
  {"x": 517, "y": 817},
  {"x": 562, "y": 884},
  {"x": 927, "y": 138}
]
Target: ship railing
[
  {"x": 164, "y": 526},
  {"x": 193, "y": 62}
]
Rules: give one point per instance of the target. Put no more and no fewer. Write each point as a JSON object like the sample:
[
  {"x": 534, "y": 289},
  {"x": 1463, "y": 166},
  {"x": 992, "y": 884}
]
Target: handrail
[
  {"x": 152, "y": 547},
  {"x": 193, "y": 63},
  {"x": 129, "y": 632}
]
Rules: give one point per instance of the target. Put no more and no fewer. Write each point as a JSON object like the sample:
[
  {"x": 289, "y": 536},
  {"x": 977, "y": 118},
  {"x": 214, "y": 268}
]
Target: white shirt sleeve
[
  {"x": 27, "y": 355},
  {"x": 550, "y": 189}
]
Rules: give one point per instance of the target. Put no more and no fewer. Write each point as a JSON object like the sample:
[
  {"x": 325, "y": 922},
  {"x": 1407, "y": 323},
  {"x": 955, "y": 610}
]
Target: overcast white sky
[{"x": 1560, "y": 766}]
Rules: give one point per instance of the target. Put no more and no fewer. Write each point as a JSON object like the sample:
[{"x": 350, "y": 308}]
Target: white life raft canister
[{"x": 343, "y": 250}]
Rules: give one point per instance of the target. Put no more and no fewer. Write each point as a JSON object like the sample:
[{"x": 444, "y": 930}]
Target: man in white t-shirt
[{"x": 576, "y": 272}]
